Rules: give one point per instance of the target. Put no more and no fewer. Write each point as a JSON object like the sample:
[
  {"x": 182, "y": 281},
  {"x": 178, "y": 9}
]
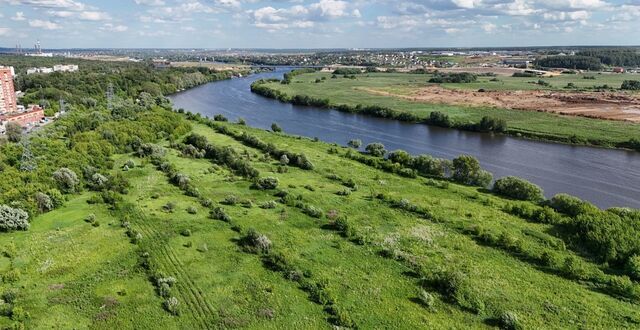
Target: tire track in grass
[{"x": 185, "y": 285}]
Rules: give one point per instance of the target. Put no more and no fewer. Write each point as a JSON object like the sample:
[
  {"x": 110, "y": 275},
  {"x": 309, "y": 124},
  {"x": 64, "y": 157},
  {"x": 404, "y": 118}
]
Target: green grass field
[
  {"x": 75, "y": 275},
  {"x": 527, "y": 123}
]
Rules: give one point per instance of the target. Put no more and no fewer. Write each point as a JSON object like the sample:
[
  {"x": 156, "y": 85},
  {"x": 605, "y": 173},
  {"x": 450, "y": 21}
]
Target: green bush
[
  {"x": 571, "y": 205},
  {"x": 633, "y": 267},
  {"x": 518, "y": 188},
  {"x": 219, "y": 214},
  {"x": 268, "y": 183},
  {"x": 255, "y": 242},
  {"x": 376, "y": 149},
  {"x": 509, "y": 321},
  {"x": 13, "y": 219},
  {"x": 632, "y": 85},
  {"x": 172, "y": 305}
]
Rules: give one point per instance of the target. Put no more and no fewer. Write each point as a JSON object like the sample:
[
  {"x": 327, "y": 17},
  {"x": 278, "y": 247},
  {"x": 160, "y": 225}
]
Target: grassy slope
[
  {"x": 74, "y": 275},
  {"x": 344, "y": 91},
  {"x": 226, "y": 287}
]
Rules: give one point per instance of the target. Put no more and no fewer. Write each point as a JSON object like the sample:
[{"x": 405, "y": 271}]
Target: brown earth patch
[{"x": 601, "y": 105}]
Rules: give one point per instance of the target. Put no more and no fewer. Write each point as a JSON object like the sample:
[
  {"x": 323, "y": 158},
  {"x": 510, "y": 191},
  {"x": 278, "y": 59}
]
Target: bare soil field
[{"x": 601, "y": 105}]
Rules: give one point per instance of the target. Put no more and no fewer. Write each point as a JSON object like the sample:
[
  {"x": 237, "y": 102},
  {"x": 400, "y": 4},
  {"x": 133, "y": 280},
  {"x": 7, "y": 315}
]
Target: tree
[
  {"x": 467, "y": 170},
  {"x": 355, "y": 143},
  {"x": 276, "y": 128},
  {"x": 13, "y": 131},
  {"x": 376, "y": 149},
  {"x": 44, "y": 202},
  {"x": 401, "y": 157},
  {"x": 66, "y": 179},
  {"x": 13, "y": 219}
]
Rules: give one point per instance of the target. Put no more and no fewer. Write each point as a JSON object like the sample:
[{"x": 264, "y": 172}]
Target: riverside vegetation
[
  {"x": 348, "y": 93},
  {"x": 130, "y": 219}
]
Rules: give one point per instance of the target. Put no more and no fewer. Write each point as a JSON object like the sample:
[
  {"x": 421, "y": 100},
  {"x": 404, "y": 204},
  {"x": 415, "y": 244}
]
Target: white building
[
  {"x": 56, "y": 68},
  {"x": 65, "y": 68}
]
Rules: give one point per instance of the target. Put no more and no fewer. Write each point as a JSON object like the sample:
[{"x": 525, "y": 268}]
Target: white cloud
[
  {"x": 567, "y": 16},
  {"x": 4, "y": 31},
  {"x": 150, "y": 2},
  {"x": 19, "y": 16},
  {"x": 300, "y": 16},
  {"x": 93, "y": 16},
  {"x": 114, "y": 28},
  {"x": 54, "y": 4},
  {"x": 43, "y": 24}
]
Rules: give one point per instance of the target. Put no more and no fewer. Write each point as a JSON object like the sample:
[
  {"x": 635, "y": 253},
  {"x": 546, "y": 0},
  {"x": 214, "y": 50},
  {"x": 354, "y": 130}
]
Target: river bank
[
  {"x": 606, "y": 177},
  {"x": 349, "y": 95}
]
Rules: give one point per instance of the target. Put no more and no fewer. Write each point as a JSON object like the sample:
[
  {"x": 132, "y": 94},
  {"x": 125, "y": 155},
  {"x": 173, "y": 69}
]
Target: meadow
[
  {"x": 343, "y": 91},
  {"x": 352, "y": 259}
]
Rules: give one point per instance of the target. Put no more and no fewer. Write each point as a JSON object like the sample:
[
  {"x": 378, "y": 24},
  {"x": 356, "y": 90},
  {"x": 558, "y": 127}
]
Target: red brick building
[
  {"x": 7, "y": 91},
  {"x": 28, "y": 118}
]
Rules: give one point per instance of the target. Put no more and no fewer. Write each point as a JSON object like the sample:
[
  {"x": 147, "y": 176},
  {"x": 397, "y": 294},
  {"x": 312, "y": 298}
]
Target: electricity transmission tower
[
  {"x": 27, "y": 161},
  {"x": 110, "y": 97}
]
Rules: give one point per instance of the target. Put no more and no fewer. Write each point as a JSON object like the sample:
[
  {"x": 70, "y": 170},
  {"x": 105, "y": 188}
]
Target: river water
[{"x": 605, "y": 177}]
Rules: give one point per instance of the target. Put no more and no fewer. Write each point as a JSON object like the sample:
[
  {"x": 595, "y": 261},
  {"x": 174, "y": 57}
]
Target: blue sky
[{"x": 318, "y": 23}]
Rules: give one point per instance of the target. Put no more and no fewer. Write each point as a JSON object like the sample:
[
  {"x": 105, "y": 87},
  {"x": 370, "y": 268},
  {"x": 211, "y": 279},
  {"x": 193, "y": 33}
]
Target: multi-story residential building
[{"x": 7, "y": 91}]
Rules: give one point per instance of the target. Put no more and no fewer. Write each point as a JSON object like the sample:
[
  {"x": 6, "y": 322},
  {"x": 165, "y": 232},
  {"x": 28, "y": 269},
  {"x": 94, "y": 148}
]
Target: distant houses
[{"x": 56, "y": 68}]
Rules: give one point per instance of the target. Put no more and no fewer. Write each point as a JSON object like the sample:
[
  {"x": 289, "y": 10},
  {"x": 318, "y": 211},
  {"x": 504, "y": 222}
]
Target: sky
[{"x": 317, "y": 23}]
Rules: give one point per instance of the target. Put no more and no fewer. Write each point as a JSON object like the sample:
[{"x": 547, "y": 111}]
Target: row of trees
[{"x": 570, "y": 62}]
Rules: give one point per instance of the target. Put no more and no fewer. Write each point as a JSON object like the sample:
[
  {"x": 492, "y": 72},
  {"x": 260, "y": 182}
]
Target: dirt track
[{"x": 602, "y": 105}]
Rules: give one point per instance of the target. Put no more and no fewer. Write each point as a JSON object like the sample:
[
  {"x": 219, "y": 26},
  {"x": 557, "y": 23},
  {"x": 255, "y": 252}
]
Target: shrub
[
  {"x": 355, "y": 143},
  {"x": 230, "y": 200},
  {"x": 427, "y": 299},
  {"x": 219, "y": 214},
  {"x": 10, "y": 295},
  {"x": 44, "y": 202},
  {"x": 185, "y": 232},
  {"x": 376, "y": 149},
  {"x": 633, "y": 267},
  {"x": 220, "y": 117},
  {"x": 192, "y": 210},
  {"x": 66, "y": 179},
  {"x": 255, "y": 242},
  {"x": 312, "y": 211},
  {"x": 284, "y": 160},
  {"x": 518, "y": 188},
  {"x": 438, "y": 118},
  {"x": 276, "y": 128},
  {"x": 269, "y": 205},
  {"x": 172, "y": 305},
  {"x": 268, "y": 183},
  {"x": 169, "y": 207},
  {"x": 571, "y": 205},
  {"x": 150, "y": 150},
  {"x": 488, "y": 124},
  {"x": 13, "y": 219},
  {"x": 509, "y": 321},
  {"x": 206, "y": 202},
  {"x": 632, "y": 85}
]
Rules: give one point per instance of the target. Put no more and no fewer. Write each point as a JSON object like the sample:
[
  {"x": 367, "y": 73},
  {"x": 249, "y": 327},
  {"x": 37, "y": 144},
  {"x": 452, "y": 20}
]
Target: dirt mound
[{"x": 602, "y": 105}]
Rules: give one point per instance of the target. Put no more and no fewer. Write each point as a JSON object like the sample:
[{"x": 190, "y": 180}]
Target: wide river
[{"x": 605, "y": 177}]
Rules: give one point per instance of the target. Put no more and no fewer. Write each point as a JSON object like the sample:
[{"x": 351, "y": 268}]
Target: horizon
[{"x": 316, "y": 24}]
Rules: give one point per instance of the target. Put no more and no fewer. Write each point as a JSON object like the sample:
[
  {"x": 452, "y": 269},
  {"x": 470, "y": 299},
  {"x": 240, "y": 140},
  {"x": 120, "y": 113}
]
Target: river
[{"x": 604, "y": 177}]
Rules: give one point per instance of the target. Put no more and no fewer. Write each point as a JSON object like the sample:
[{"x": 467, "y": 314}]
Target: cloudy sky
[{"x": 318, "y": 23}]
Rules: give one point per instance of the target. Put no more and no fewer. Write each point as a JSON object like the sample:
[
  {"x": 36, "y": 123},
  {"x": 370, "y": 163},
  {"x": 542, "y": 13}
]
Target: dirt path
[{"x": 601, "y": 105}]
